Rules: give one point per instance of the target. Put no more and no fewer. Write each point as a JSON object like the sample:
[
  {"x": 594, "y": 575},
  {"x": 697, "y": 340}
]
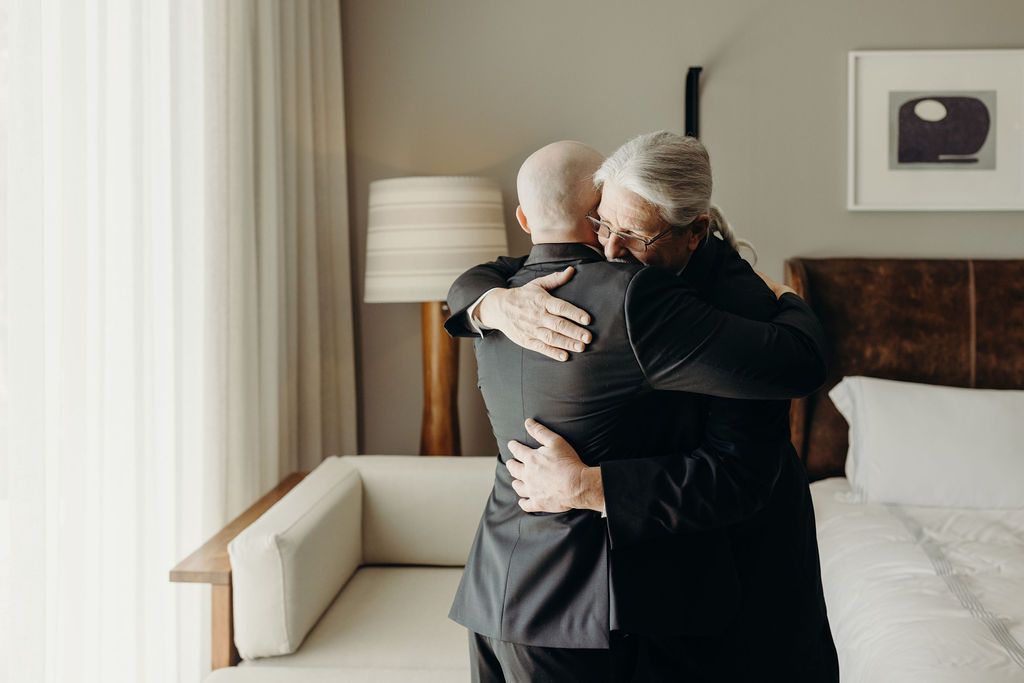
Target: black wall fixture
[{"x": 693, "y": 101}]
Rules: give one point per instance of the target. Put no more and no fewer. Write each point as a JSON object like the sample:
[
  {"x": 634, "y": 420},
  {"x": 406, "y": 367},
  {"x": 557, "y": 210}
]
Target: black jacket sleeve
[
  {"x": 685, "y": 344},
  {"x": 472, "y": 284},
  {"x": 650, "y": 498}
]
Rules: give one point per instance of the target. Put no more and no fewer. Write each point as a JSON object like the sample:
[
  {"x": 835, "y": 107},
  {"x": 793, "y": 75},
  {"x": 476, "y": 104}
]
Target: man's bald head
[{"x": 556, "y": 190}]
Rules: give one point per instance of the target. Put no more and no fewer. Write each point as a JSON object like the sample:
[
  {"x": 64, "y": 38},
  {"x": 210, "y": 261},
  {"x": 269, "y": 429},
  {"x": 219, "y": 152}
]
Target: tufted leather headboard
[{"x": 952, "y": 322}]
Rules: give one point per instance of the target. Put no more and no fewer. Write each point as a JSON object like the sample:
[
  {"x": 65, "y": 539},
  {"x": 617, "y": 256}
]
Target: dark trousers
[{"x": 630, "y": 659}]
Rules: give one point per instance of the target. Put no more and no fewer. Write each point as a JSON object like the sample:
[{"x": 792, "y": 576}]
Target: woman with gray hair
[
  {"x": 672, "y": 173},
  {"x": 714, "y": 562}
]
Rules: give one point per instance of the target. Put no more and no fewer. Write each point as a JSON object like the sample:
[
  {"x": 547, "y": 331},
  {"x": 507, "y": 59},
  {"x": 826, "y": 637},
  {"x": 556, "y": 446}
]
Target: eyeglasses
[{"x": 631, "y": 242}]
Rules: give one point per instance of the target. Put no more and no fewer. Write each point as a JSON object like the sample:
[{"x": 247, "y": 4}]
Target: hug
[{"x": 650, "y": 519}]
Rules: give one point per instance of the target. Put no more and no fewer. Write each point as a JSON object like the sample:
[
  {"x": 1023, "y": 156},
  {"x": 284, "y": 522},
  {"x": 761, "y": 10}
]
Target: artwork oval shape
[{"x": 930, "y": 110}]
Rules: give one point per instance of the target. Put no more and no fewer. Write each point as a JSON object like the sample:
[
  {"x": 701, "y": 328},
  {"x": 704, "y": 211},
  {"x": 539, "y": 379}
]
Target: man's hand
[
  {"x": 536, "y": 320},
  {"x": 777, "y": 289},
  {"x": 552, "y": 478}
]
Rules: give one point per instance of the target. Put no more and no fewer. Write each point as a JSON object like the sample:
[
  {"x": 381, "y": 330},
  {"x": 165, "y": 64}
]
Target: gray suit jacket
[{"x": 542, "y": 578}]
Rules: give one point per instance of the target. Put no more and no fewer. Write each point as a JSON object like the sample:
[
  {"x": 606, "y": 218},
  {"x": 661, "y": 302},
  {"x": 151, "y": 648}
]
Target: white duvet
[{"x": 921, "y": 594}]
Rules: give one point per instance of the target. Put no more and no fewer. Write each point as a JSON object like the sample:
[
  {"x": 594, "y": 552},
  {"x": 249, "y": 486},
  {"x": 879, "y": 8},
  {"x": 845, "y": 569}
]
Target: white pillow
[{"x": 920, "y": 444}]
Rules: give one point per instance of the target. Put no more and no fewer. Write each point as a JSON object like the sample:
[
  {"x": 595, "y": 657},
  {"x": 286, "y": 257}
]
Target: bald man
[
  {"x": 536, "y": 594},
  {"x": 556, "y": 192}
]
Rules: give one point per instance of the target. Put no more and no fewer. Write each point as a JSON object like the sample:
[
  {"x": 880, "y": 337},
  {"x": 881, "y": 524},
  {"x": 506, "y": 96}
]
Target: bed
[{"x": 915, "y": 593}]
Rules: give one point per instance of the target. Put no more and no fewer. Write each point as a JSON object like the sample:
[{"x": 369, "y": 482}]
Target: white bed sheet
[{"x": 894, "y": 617}]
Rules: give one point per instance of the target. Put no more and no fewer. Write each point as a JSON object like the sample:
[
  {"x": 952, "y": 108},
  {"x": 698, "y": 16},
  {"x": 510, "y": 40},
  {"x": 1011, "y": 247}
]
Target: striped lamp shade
[{"x": 424, "y": 232}]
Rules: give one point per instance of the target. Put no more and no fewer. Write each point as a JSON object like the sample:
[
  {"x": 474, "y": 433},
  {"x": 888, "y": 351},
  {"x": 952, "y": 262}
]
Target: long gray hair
[{"x": 672, "y": 172}]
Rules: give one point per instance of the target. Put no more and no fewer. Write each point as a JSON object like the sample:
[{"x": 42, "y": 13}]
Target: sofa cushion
[
  {"x": 386, "y": 618},
  {"x": 422, "y": 510},
  {"x": 288, "y": 565}
]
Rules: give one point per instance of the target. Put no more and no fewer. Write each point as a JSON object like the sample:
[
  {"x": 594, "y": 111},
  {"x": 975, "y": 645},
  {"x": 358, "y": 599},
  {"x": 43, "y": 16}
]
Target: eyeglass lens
[{"x": 603, "y": 231}]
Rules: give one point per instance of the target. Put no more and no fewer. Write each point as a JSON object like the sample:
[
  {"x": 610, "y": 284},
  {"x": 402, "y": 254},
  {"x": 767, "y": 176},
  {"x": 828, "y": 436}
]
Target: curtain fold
[{"x": 178, "y": 328}]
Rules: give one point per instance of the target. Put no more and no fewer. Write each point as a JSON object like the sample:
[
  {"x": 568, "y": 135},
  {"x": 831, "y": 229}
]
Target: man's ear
[
  {"x": 521, "y": 217},
  {"x": 701, "y": 225}
]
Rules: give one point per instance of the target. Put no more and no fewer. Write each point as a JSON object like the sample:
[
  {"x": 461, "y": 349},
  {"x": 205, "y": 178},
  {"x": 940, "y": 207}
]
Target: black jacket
[{"x": 663, "y": 562}]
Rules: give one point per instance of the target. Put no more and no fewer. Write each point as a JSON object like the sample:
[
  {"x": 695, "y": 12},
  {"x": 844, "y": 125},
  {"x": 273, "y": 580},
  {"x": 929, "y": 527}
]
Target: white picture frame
[{"x": 894, "y": 152}]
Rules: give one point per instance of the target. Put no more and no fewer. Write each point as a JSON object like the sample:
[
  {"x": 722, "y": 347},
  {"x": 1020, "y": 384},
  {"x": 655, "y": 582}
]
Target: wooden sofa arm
[{"x": 210, "y": 564}]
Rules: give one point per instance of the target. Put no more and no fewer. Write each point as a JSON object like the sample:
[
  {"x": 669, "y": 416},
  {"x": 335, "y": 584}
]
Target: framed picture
[{"x": 936, "y": 130}]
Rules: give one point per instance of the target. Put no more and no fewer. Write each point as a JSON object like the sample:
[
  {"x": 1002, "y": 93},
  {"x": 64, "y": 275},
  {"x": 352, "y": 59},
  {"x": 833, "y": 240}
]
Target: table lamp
[{"x": 422, "y": 233}]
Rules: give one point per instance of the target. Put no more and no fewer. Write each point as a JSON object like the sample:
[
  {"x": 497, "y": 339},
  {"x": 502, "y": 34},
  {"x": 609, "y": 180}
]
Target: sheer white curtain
[{"x": 178, "y": 311}]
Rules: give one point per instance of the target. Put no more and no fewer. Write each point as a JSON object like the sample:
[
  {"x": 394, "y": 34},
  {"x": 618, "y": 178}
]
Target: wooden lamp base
[{"x": 440, "y": 432}]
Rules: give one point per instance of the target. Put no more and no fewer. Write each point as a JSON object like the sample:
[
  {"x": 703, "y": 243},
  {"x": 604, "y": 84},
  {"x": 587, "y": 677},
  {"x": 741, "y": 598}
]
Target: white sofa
[{"x": 350, "y": 575}]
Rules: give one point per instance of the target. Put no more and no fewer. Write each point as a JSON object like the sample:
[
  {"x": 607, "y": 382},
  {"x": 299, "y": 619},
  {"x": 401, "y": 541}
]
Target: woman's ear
[
  {"x": 701, "y": 227},
  {"x": 521, "y": 217}
]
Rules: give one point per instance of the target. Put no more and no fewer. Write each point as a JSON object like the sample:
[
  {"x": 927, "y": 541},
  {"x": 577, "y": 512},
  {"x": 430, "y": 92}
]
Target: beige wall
[{"x": 473, "y": 86}]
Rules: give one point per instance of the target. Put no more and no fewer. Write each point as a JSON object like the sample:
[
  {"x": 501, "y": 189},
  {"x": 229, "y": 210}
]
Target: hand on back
[
  {"x": 777, "y": 289},
  {"x": 534, "y": 319}
]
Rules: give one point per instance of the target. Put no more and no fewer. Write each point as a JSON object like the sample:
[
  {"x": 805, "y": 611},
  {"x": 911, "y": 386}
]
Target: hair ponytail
[{"x": 721, "y": 226}]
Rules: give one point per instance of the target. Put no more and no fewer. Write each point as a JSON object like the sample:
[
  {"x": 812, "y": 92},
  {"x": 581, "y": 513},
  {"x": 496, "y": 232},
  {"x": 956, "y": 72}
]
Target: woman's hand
[
  {"x": 534, "y": 319},
  {"x": 777, "y": 289}
]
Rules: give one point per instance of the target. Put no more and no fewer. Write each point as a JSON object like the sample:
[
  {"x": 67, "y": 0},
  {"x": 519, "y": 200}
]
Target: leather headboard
[{"x": 951, "y": 322}]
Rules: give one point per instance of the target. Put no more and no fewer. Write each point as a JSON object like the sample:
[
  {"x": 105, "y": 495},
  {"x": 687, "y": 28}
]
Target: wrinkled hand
[
  {"x": 777, "y": 289},
  {"x": 549, "y": 478},
  {"x": 534, "y": 319}
]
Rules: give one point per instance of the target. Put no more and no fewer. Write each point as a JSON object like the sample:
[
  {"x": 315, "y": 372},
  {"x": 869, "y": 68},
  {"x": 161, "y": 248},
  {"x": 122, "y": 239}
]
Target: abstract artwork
[
  {"x": 941, "y": 130},
  {"x": 936, "y": 130}
]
